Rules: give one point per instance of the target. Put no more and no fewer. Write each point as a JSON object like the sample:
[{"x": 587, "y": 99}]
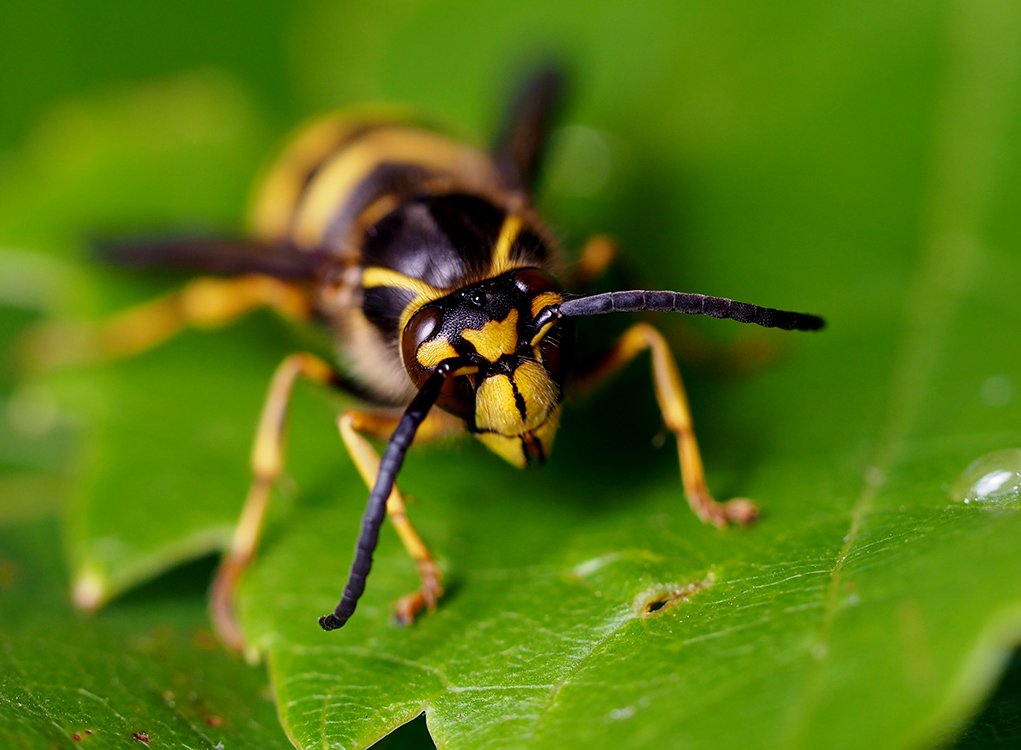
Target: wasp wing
[
  {"x": 521, "y": 145},
  {"x": 217, "y": 256}
]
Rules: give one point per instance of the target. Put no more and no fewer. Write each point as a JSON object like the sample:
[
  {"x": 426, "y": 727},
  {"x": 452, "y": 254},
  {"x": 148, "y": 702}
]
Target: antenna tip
[{"x": 330, "y": 622}]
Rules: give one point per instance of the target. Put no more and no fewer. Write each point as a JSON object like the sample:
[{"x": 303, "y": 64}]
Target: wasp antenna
[
  {"x": 639, "y": 300},
  {"x": 375, "y": 510}
]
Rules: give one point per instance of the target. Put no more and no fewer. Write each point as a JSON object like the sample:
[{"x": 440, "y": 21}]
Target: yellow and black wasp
[{"x": 427, "y": 261}]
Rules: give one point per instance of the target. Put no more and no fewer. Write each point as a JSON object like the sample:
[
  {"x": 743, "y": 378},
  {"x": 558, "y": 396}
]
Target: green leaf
[
  {"x": 148, "y": 669},
  {"x": 857, "y": 162}
]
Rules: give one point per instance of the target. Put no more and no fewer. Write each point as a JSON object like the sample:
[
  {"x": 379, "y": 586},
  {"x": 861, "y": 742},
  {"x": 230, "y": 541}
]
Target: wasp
[{"x": 426, "y": 260}]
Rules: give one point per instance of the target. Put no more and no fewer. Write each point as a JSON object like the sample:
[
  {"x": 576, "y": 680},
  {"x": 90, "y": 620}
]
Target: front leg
[
  {"x": 674, "y": 404},
  {"x": 267, "y": 463}
]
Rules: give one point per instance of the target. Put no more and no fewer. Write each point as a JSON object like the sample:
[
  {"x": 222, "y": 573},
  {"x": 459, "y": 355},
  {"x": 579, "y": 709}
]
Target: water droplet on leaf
[{"x": 994, "y": 478}]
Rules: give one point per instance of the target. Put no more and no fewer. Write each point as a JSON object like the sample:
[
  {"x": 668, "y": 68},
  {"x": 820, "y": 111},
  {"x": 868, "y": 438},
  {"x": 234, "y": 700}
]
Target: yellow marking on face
[
  {"x": 504, "y": 242},
  {"x": 507, "y": 448},
  {"x": 341, "y": 174},
  {"x": 496, "y": 409},
  {"x": 495, "y": 338},
  {"x": 543, "y": 300},
  {"x": 539, "y": 303},
  {"x": 539, "y": 336},
  {"x": 538, "y": 391},
  {"x": 511, "y": 448},
  {"x": 431, "y": 353}
]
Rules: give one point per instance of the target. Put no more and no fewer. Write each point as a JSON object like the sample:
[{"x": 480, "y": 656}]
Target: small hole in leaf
[
  {"x": 656, "y": 605},
  {"x": 654, "y": 601}
]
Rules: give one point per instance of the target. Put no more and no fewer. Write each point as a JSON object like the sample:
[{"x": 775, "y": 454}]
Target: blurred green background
[{"x": 861, "y": 160}]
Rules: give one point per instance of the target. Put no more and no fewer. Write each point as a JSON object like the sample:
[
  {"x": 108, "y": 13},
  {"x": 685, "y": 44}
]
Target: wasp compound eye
[
  {"x": 421, "y": 346},
  {"x": 532, "y": 280},
  {"x": 424, "y": 325}
]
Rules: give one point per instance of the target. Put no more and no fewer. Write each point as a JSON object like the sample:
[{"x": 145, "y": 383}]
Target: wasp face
[{"x": 512, "y": 403}]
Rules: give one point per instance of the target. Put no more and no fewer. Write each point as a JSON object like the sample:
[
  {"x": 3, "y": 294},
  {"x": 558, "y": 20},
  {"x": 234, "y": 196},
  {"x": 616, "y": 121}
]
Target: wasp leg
[
  {"x": 597, "y": 254},
  {"x": 674, "y": 404},
  {"x": 267, "y": 463},
  {"x": 354, "y": 426},
  {"x": 203, "y": 303}
]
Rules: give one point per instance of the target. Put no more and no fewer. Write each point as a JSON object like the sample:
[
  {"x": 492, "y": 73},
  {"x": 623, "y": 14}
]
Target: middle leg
[{"x": 674, "y": 404}]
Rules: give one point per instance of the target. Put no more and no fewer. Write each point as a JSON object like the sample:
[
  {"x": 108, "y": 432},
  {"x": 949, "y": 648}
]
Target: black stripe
[
  {"x": 444, "y": 240},
  {"x": 471, "y": 226},
  {"x": 519, "y": 400}
]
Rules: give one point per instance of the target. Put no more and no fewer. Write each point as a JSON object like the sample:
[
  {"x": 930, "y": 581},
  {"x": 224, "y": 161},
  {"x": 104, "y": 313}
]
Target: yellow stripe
[
  {"x": 376, "y": 210},
  {"x": 374, "y": 276},
  {"x": 502, "y": 249},
  {"x": 278, "y": 192},
  {"x": 341, "y": 174}
]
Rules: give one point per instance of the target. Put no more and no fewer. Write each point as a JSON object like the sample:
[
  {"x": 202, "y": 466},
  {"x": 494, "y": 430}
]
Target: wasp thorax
[{"x": 511, "y": 399}]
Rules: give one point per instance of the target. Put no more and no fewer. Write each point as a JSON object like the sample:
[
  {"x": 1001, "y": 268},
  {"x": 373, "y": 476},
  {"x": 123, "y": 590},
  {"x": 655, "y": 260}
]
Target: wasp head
[{"x": 511, "y": 402}]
